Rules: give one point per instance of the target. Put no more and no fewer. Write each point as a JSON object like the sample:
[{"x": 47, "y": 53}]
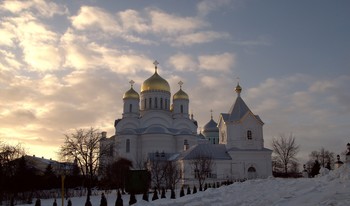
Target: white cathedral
[{"x": 154, "y": 123}]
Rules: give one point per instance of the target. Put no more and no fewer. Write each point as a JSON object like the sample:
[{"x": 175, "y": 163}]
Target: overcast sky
[{"x": 66, "y": 64}]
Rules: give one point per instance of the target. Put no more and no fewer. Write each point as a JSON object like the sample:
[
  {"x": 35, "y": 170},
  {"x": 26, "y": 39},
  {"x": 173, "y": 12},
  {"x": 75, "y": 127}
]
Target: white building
[{"x": 155, "y": 122}]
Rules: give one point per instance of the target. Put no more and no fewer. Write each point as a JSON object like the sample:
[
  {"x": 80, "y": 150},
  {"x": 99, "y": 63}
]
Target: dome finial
[
  {"x": 238, "y": 88},
  {"x": 132, "y": 83},
  {"x": 155, "y": 65},
  {"x": 180, "y": 83}
]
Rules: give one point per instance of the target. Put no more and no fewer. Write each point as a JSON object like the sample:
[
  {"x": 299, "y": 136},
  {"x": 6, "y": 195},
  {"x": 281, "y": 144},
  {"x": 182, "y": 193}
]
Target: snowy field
[{"x": 327, "y": 189}]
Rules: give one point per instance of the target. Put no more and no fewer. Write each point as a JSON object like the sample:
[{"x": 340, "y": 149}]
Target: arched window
[
  {"x": 182, "y": 109},
  {"x": 130, "y": 108},
  {"x": 145, "y": 103},
  {"x": 127, "y": 146},
  {"x": 166, "y": 104},
  {"x": 156, "y": 102},
  {"x": 150, "y": 103},
  {"x": 249, "y": 135},
  {"x": 251, "y": 173},
  {"x": 161, "y": 103}
]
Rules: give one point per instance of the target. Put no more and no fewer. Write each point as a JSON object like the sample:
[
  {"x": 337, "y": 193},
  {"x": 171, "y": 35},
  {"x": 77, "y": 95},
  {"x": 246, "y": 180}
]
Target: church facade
[{"x": 154, "y": 123}]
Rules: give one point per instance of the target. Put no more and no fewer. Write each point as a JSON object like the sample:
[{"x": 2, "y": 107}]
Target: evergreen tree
[
  {"x": 172, "y": 196},
  {"x": 132, "y": 199},
  {"x": 145, "y": 195},
  {"x": 103, "y": 200},
  {"x": 188, "y": 190},
  {"x": 163, "y": 193},
  {"x": 88, "y": 203},
  {"x": 38, "y": 202},
  {"x": 194, "y": 189},
  {"x": 119, "y": 201},
  {"x": 69, "y": 203},
  {"x": 182, "y": 192},
  {"x": 315, "y": 169},
  {"x": 155, "y": 194},
  {"x": 54, "y": 203}
]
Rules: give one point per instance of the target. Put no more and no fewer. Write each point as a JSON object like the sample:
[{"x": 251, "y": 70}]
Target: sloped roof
[
  {"x": 215, "y": 151},
  {"x": 237, "y": 149},
  {"x": 238, "y": 110}
]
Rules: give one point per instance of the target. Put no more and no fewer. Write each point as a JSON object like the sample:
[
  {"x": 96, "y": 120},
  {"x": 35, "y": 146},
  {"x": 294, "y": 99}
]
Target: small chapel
[{"x": 155, "y": 123}]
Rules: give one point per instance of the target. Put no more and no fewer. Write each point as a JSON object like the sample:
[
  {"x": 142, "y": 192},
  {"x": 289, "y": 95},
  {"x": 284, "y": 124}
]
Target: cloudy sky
[{"x": 66, "y": 64}]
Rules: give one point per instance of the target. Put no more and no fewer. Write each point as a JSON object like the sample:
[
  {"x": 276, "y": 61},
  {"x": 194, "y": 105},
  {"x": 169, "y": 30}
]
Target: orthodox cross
[
  {"x": 211, "y": 114},
  {"x": 180, "y": 83},
  {"x": 155, "y": 64},
  {"x": 132, "y": 83},
  {"x": 237, "y": 80}
]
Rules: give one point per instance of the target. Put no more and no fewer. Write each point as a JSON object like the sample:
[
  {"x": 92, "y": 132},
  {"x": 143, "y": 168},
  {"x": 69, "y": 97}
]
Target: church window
[
  {"x": 150, "y": 103},
  {"x": 127, "y": 145},
  {"x": 161, "y": 103},
  {"x": 249, "y": 134},
  {"x": 251, "y": 173},
  {"x": 130, "y": 108},
  {"x": 166, "y": 104},
  {"x": 182, "y": 109},
  {"x": 145, "y": 104},
  {"x": 185, "y": 142},
  {"x": 156, "y": 102}
]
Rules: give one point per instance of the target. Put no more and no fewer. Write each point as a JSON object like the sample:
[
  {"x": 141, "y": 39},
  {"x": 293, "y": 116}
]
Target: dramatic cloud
[
  {"x": 221, "y": 62},
  {"x": 183, "y": 62},
  {"x": 40, "y": 7}
]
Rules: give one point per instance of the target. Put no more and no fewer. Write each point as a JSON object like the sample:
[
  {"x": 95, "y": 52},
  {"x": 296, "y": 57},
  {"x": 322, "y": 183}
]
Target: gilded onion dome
[
  {"x": 155, "y": 82},
  {"x": 180, "y": 94},
  {"x": 238, "y": 89},
  {"x": 131, "y": 93}
]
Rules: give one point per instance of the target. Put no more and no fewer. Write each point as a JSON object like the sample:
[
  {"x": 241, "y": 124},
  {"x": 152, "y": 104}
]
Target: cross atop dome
[
  {"x": 155, "y": 65},
  {"x": 180, "y": 83},
  {"x": 132, "y": 83},
  {"x": 211, "y": 114}
]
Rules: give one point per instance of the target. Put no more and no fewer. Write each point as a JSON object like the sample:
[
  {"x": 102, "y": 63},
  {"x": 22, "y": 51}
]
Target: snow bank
[{"x": 332, "y": 188}]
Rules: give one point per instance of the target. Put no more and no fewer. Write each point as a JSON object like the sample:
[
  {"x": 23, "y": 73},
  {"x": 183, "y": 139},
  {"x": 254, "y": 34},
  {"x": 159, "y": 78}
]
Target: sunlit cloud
[
  {"x": 40, "y": 7},
  {"x": 221, "y": 62},
  {"x": 183, "y": 62},
  {"x": 96, "y": 19}
]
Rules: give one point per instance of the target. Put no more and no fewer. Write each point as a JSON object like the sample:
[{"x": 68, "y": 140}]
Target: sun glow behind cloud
[{"x": 63, "y": 68}]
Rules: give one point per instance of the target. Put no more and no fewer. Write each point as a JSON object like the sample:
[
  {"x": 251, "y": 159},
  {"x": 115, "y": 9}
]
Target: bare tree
[
  {"x": 202, "y": 166},
  {"x": 8, "y": 153},
  {"x": 158, "y": 172},
  {"x": 285, "y": 150},
  {"x": 323, "y": 156},
  {"x": 83, "y": 146},
  {"x": 172, "y": 174}
]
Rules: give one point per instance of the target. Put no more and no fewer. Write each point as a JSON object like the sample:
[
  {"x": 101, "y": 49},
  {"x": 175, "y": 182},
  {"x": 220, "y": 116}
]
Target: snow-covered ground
[{"x": 327, "y": 189}]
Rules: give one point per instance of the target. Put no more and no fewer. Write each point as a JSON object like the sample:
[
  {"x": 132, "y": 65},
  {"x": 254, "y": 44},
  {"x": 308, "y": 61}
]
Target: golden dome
[
  {"x": 180, "y": 95},
  {"x": 155, "y": 82},
  {"x": 131, "y": 94}
]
